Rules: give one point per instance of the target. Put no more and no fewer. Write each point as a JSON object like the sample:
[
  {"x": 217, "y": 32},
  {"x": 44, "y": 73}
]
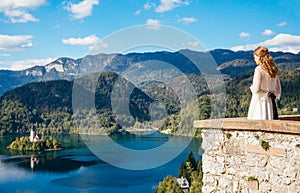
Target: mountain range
[
  {"x": 41, "y": 97},
  {"x": 228, "y": 62}
]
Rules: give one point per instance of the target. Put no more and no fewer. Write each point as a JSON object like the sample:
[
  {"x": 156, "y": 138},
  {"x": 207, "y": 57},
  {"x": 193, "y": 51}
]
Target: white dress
[{"x": 261, "y": 105}]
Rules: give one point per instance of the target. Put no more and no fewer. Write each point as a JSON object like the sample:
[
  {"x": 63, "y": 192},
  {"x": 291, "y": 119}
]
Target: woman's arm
[
  {"x": 255, "y": 87},
  {"x": 278, "y": 88}
]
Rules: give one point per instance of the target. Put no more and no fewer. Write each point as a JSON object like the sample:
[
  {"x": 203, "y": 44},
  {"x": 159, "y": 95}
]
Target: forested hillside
[{"x": 47, "y": 106}]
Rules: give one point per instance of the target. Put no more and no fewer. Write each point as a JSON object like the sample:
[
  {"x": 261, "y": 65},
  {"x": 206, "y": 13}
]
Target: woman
[{"x": 265, "y": 87}]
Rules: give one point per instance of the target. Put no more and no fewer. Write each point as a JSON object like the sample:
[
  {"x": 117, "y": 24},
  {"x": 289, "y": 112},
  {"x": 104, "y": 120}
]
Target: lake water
[{"x": 77, "y": 169}]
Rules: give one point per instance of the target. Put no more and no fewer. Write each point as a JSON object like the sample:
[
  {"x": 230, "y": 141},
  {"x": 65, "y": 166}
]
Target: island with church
[{"x": 35, "y": 142}]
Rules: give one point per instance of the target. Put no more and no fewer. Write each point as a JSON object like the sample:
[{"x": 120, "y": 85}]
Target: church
[{"x": 33, "y": 136}]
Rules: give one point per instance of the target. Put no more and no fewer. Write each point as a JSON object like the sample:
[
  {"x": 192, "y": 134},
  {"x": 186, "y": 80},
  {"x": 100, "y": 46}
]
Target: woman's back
[{"x": 267, "y": 84}]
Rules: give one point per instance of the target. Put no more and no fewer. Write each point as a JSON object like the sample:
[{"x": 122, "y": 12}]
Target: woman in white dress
[{"x": 265, "y": 87}]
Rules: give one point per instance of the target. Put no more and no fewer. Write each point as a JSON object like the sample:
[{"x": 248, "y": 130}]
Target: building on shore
[
  {"x": 33, "y": 136},
  {"x": 184, "y": 184}
]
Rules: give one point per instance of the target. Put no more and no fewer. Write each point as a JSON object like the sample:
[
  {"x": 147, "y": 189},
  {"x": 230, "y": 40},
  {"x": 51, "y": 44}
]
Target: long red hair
[{"x": 266, "y": 61}]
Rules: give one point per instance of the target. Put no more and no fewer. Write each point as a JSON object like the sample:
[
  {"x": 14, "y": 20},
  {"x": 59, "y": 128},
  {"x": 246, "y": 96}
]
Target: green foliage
[
  {"x": 169, "y": 185},
  {"x": 228, "y": 135},
  {"x": 43, "y": 106},
  {"x": 298, "y": 145},
  {"x": 290, "y": 83},
  {"x": 193, "y": 163},
  {"x": 182, "y": 122},
  {"x": 47, "y": 108},
  {"x": 196, "y": 179},
  {"x": 182, "y": 170},
  {"x": 163, "y": 94},
  {"x": 265, "y": 145},
  {"x": 215, "y": 190},
  {"x": 192, "y": 171},
  {"x": 204, "y": 107},
  {"x": 256, "y": 137},
  {"x": 252, "y": 178},
  {"x": 187, "y": 167},
  {"x": 24, "y": 144}
]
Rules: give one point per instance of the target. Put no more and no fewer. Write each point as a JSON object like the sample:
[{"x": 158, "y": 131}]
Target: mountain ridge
[
  {"x": 47, "y": 105},
  {"x": 229, "y": 62}
]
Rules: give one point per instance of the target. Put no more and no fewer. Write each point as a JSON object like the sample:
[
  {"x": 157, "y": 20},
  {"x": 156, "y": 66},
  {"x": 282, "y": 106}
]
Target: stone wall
[{"x": 234, "y": 159}]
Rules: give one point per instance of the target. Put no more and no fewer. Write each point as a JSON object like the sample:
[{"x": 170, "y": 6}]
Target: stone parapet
[{"x": 249, "y": 156}]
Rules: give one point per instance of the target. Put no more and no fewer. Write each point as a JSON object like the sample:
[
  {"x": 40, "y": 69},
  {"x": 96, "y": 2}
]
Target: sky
[{"x": 36, "y": 32}]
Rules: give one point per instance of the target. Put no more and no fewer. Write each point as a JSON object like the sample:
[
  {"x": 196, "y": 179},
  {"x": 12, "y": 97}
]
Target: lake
[{"x": 78, "y": 168}]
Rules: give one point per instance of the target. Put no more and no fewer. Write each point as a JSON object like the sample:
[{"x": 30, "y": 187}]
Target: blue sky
[{"x": 36, "y": 32}]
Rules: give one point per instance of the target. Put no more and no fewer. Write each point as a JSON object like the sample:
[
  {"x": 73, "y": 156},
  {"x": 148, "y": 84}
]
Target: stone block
[
  {"x": 255, "y": 149},
  {"x": 265, "y": 187},
  {"x": 233, "y": 160},
  {"x": 292, "y": 169},
  {"x": 277, "y": 163},
  {"x": 287, "y": 181},
  {"x": 231, "y": 170},
  {"x": 211, "y": 189},
  {"x": 208, "y": 179},
  {"x": 292, "y": 189},
  {"x": 253, "y": 160},
  {"x": 276, "y": 180},
  {"x": 235, "y": 186},
  {"x": 233, "y": 148}
]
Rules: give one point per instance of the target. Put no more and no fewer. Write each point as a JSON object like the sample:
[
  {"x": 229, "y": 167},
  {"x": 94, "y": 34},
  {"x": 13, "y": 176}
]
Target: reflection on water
[
  {"x": 77, "y": 169},
  {"x": 33, "y": 161},
  {"x": 150, "y": 141},
  {"x": 49, "y": 162}
]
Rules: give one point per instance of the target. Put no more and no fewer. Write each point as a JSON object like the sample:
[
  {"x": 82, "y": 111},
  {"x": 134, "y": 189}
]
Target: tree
[
  {"x": 191, "y": 159},
  {"x": 182, "y": 171},
  {"x": 196, "y": 179},
  {"x": 169, "y": 185}
]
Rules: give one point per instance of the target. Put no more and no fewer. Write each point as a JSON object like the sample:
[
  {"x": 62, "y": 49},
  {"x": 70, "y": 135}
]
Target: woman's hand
[{"x": 251, "y": 88}]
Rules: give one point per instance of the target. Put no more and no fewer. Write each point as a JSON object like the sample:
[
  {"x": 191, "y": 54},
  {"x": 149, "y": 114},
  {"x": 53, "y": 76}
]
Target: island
[{"x": 35, "y": 143}]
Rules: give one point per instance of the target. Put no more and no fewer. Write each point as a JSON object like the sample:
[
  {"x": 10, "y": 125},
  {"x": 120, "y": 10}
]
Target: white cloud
[
  {"x": 153, "y": 24},
  {"x": 281, "y": 42},
  {"x": 96, "y": 47},
  {"x": 193, "y": 44},
  {"x": 82, "y": 9},
  {"x": 187, "y": 20},
  {"x": 267, "y": 32},
  {"x": 17, "y": 11},
  {"x": 244, "y": 35},
  {"x": 15, "y": 43},
  {"x": 24, "y": 4},
  {"x": 138, "y": 12},
  {"x": 245, "y": 47},
  {"x": 149, "y": 5},
  {"x": 89, "y": 40},
  {"x": 24, "y": 64},
  {"x": 20, "y": 16},
  {"x": 92, "y": 41},
  {"x": 168, "y": 5},
  {"x": 281, "y": 24}
]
